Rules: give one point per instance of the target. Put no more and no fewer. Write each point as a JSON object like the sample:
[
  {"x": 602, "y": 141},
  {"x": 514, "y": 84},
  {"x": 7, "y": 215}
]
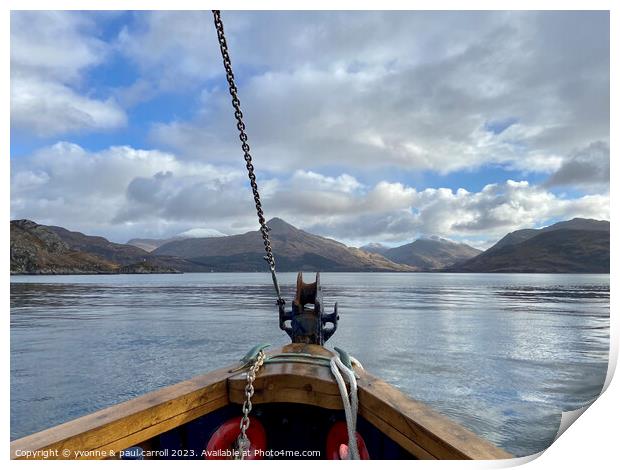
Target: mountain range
[
  {"x": 295, "y": 250},
  {"x": 41, "y": 249},
  {"x": 573, "y": 246},
  {"x": 427, "y": 254},
  {"x": 579, "y": 245}
]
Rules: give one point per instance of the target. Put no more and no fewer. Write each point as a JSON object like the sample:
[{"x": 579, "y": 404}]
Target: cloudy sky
[{"x": 364, "y": 126}]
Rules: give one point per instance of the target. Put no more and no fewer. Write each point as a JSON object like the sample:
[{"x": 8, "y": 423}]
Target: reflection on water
[{"x": 501, "y": 354}]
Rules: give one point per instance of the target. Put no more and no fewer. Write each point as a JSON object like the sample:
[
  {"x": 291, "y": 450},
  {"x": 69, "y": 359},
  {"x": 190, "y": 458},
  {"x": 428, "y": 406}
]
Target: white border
[{"x": 592, "y": 442}]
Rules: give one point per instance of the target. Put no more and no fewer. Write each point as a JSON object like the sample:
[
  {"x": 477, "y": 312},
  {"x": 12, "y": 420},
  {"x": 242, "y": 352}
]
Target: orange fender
[
  {"x": 338, "y": 443},
  {"x": 224, "y": 439}
]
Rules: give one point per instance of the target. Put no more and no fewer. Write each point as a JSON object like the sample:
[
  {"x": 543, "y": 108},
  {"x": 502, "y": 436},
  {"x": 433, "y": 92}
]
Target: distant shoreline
[
  {"x": 576, "y": 246},
  {"x": 295, "y": 272}
]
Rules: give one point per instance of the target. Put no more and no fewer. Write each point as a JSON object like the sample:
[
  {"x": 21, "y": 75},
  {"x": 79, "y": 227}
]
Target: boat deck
[{"x": 410, "y": 425}]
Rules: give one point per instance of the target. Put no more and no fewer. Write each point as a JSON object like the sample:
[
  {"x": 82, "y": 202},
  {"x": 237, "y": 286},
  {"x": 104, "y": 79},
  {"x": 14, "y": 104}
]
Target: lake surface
[{"x": 503, "y": 354}]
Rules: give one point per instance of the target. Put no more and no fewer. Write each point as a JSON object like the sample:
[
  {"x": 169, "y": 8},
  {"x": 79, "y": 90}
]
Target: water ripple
[{"x": 501, "y": 354}]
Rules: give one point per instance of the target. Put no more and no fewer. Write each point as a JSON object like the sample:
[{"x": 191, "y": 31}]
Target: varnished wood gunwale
[{"x": 417, "y": 428}]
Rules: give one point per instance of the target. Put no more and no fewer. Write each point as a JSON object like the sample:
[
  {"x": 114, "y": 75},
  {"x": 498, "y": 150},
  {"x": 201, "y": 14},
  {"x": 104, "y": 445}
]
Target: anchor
[{"x": 307, "y": 321}]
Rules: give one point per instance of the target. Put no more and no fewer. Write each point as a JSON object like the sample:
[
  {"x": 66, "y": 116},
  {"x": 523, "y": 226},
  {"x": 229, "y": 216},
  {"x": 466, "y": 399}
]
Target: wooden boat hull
[{"x": 293, "y": 387}]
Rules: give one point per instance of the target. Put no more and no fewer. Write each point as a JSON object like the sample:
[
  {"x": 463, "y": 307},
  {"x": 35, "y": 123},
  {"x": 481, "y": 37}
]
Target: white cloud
[
  {"x": 47, "y": 108},
  {"x": 485, "y": 215},
  {"x": 173, "y": 48},
  {"x": 109, "y": 192},
  {"x": 315, "y": 181},
  {"x": 342, "y": 109},
  {"x": 50, "y": 52},
  {"x": 124, "y": 193},
  {"x": 54, "y": 44},
  {"x": 405, "y": 95}
]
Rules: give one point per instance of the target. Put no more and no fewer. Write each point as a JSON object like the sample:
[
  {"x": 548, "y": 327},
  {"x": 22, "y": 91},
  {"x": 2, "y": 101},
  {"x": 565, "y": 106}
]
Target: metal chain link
[
  {"x": 232, "y": 88},
  {"x": 243, "y": 442}
]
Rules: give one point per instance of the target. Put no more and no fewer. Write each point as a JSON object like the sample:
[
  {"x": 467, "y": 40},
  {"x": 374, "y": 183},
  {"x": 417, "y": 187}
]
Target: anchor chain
[
  {"x": 245, "y": 147},
  {"x": 243, "y": 442}
]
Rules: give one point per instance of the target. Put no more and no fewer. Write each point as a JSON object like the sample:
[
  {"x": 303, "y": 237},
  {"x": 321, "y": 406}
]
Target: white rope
[
  {"x": 349, "y": 402},
  {"x": 356, "y": 362}
]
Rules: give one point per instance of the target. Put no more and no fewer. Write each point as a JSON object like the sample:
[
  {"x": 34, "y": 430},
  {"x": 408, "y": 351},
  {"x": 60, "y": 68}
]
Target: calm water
[{"x": 501, "y": 354}]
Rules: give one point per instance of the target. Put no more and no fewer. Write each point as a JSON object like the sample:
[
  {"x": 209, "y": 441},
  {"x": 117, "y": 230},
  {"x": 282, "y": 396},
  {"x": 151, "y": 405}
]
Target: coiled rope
[{"x": 349, "y": 402}]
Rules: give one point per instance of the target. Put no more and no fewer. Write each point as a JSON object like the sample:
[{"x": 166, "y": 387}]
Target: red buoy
[
  {"x": 338, "y": 443},
  {"x": 224, "y": 440}
]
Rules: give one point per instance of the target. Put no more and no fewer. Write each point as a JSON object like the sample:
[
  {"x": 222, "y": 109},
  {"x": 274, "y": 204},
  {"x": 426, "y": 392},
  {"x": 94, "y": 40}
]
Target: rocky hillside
[
  {"x": 41, "y": 249},
  {"x": 519, "y": 236},
  {"x": 431, "y": 254},
  {"x": 575, "y": 246},
  {"x": 295, "y": 250},
  {"x": 36, "y": 249},
  {"x": 114, "y": 252}
]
